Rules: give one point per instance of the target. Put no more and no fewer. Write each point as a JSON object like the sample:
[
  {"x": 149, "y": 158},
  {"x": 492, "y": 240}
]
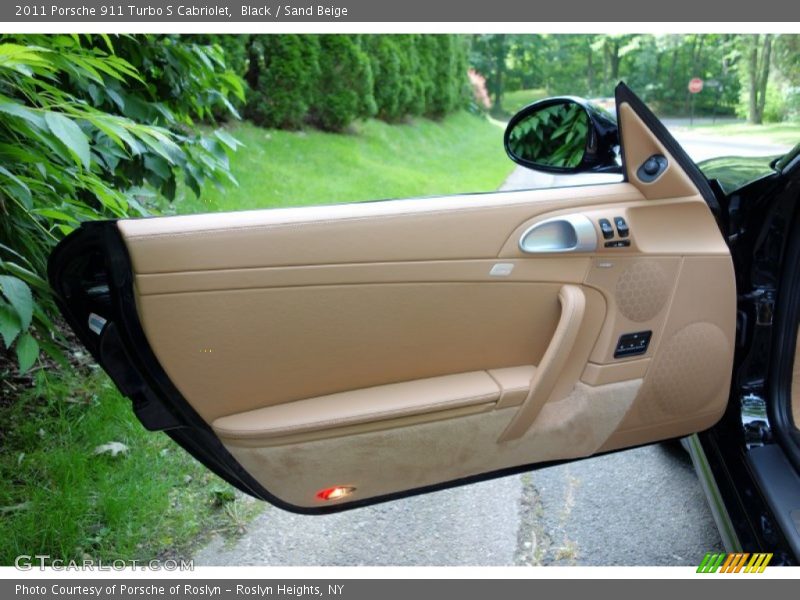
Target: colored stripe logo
[{"x": 735, "y": 562}]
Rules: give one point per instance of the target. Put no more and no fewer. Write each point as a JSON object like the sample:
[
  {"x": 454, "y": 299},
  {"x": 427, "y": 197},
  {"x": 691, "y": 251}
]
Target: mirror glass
[{"x": 551, "y": 136}]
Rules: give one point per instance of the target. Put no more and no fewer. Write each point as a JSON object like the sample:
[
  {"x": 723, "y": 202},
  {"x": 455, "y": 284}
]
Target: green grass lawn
[
  {"x": 58, "y": 497},
  {"x": 776, "y": 133},
  {"x": 462, "y": 153}
]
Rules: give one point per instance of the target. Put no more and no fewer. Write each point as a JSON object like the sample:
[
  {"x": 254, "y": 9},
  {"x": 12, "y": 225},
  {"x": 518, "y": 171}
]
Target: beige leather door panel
[
  {"x": 393, "y": 345},
  {"x": 237, "y": 351}
]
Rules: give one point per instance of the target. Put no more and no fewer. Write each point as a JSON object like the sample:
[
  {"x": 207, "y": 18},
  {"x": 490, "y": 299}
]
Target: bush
[
  {"x": 792, "y": 95},
  {"x": 282, "y": 74},
  {"x": 426, "y": 49},
  {"x": 345, "y": 89},
  {"x": 384, "y": 54},
  {"x": 450, "y": 75},
  {"x": 776, "y": 107},
  {"x": 86, "y": 134},
  {"x": 331, "y": 80},
  {"x": 412, "y": 88},
  {"x": 175, "y": 81},
  {"x": 480, "y": 94}
]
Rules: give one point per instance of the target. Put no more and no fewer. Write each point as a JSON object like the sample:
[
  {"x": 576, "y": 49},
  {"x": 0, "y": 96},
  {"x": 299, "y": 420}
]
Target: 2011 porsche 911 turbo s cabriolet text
[{"x": 325, "y": 358}]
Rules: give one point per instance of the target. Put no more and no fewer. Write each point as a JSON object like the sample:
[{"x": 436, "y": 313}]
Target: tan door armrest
[{"x": 380, "y": 403}]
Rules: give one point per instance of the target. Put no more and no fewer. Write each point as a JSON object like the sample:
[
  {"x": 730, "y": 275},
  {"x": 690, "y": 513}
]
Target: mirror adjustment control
[
  {"x": 622, "y": 227},
  {"x": 606, "y": 228},
  {"x": 652, "y": 168}
]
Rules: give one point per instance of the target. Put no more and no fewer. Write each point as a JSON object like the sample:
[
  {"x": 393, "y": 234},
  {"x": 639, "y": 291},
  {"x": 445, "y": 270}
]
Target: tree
[
  {"x": 612, "y": 49},
  {"x": 489, "y": 56},
  {"x": 758, "y": 65},
  {"x": 657, "y": 67},
  {"x": 282, "y": 74},
  {"x": 499, "y": 49},
  {"x": 345, "y": 86},
  {"x": 384, "y": 55},
  {"x": 786, "y": 57},
  {"x": 412, "y": 77},
  {"x": 449, "y": 76}
]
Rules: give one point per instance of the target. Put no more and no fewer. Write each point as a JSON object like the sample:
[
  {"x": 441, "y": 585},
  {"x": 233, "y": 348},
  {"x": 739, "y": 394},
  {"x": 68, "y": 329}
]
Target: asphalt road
[{"x": 637, "y": 507}]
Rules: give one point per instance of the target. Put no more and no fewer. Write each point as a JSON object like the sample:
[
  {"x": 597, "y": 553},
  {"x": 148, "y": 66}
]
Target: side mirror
[{"x": 564, "y": 135}]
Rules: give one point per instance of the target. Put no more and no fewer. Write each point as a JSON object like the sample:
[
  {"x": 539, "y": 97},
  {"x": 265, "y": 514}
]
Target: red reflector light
[{"x": 335, "y": 492}]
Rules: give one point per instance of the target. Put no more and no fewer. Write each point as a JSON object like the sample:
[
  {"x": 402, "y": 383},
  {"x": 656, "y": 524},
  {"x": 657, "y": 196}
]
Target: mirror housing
[{"x": 564, "y": 135}]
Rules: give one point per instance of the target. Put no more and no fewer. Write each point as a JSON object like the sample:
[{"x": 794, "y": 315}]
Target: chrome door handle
[{"x": 568, "y": 233}]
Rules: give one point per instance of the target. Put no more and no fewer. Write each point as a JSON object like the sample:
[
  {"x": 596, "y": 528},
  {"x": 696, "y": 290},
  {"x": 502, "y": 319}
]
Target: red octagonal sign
[{"x": 695, "y": 85}]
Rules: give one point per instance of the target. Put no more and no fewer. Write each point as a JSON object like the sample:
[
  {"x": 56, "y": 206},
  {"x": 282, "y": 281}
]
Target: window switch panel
[
  {"x": 622, "y": 226},
  {"x": 606, "y": 228}
]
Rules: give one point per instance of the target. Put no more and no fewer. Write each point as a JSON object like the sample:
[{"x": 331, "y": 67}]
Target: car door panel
[
  {"x": 422, "y": 229},
  {"x": 390, "y": 346},
  {"x": 360, "y": 348}
]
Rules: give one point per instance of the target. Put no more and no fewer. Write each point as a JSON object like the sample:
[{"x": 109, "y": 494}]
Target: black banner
[
  {"x": 119, "y": 11},
  {"x": 743, "y": 586}
]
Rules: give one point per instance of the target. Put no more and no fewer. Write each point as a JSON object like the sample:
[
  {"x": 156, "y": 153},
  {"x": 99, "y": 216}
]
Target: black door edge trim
[{"x": 105, "y": 236}]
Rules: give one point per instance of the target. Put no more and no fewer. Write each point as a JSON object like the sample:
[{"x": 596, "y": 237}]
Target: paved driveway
[{"x": 638, "y": 507}]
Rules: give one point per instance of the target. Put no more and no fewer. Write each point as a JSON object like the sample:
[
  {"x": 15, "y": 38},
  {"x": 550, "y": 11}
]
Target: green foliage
[
  {"x": 282, "y": 73},
  {"x": 235, "y": 48},
  {"x": 448, "y": 74},
  {"x": 59, "y": 496},
  {"x": 419, "y": 74},
  {"x": 657, "y": 67},
  {"x": 776, "y": 107},
  {"x": 387, "y": 70},
  {"x": 554, "y": 136},
  {"x": 235, "y": 51},
  {"x": 428, "y": 47},
  {"x": 329, "y": 81},
  {"x": 345, "y": 84},
  {"x": 412, "y": 83},
  {"x": 84, "y": 134}
]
